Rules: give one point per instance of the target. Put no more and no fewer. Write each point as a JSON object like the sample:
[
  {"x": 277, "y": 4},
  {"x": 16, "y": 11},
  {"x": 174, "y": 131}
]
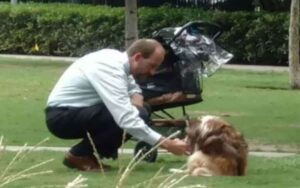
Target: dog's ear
[
  {"x": 230, "y": 151},
  {"x": 216, "y": 144},
  {"x": 241, "y": 160},
  {"x": 212, "y": 145}
]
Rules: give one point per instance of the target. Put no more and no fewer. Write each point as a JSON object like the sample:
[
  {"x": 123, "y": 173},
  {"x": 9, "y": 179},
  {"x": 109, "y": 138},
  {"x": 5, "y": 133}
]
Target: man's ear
[{"x": 137, "y": 56}]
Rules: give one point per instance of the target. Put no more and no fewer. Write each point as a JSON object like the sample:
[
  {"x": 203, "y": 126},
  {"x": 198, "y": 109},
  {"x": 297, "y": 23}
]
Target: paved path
[
  {"x": 226, "y": 66},
  {"x": 51, "y": 58},
  {"x": 260, "y": 68},
  {"x": 130, "y": 151}
]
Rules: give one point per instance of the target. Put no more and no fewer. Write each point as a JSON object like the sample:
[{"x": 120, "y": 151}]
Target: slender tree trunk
[
  {"x": 131, "y": 25},
  {"x": 294, "y": 64},
  {"x": 13, "y": 2}
]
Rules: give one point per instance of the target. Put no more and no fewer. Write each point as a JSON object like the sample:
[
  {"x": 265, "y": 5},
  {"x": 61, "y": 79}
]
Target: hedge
[{"x": 73, "y": 30}]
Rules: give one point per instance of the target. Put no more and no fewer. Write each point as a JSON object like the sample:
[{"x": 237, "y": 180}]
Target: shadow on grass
[{"x": 268, "y": 88}]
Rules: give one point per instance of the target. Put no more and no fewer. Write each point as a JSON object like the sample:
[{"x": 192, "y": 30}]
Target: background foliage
[
  {"x": 227, "y": 5},
  {"x": 73, "y": 30}
]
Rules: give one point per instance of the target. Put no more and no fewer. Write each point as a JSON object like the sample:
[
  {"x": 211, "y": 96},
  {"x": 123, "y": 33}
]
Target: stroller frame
[{"x": 168, "y": 79}]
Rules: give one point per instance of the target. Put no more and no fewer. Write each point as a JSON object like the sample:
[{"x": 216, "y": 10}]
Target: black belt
[{"x": 52, "y": 108}]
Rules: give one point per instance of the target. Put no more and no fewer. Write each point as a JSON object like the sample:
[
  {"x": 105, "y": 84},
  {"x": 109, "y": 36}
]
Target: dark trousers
[{"x": 74, "y": 123}]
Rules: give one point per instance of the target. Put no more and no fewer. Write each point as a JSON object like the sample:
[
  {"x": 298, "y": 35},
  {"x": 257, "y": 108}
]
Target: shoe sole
[
  {"x": 68, "y": 164},
  {"x": 71, "y": 166}
]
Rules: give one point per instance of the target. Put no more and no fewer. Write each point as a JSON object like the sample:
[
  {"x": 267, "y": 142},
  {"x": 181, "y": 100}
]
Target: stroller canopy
[{"x": 190, "y": 54}]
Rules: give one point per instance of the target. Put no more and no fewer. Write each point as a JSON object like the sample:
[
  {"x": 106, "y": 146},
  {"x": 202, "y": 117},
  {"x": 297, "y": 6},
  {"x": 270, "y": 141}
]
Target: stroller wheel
[{"x": 151, "y": 157}]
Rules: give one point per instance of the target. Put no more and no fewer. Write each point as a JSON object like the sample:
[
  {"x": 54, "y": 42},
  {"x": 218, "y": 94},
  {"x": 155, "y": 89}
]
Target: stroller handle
[{"x": 199, "y": 24}]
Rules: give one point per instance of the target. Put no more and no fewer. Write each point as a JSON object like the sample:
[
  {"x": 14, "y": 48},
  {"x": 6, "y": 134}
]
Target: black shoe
[{"x": 84, "y": 163}]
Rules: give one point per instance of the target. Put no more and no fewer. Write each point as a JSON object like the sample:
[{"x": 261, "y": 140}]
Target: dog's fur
[{"x": 217, "y": 148}]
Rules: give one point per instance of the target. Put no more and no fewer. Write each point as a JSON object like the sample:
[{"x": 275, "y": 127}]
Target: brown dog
[{"x": 217, "y": 148}]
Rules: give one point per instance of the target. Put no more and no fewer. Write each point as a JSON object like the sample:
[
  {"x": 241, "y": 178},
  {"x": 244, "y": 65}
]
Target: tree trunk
[
  {"x": 131, "y": 28},
  {"x": 294, "y": 65},
  {"x": 13, "y": 2}
]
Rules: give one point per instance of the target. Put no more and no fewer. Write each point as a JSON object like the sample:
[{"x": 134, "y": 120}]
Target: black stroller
[{"x": 190, "y": 54}]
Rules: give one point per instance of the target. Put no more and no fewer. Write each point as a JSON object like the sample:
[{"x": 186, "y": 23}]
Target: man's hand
[
  {"x": 176, "y": 146},
  {"x": 172, "y": 97}
]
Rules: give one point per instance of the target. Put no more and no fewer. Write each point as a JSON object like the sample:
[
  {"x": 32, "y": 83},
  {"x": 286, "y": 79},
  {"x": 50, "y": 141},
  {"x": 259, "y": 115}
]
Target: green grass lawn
[
  {"x": 262, "y": 172},
  {"x": 259, "y": 104},
  {"x": 25, "y": 86}
]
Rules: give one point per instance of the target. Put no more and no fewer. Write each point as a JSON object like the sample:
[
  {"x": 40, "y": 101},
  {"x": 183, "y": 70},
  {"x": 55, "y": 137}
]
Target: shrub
[{"x": 73, "y": 30}]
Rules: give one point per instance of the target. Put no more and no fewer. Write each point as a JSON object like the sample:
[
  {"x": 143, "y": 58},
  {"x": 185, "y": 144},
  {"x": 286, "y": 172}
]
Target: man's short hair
[{"x": 144, "y": 46}]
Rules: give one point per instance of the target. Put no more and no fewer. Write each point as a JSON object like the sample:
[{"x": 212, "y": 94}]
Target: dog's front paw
[
  {"x": 176, "y": 170},
  {"x": 201, "y": 172}
]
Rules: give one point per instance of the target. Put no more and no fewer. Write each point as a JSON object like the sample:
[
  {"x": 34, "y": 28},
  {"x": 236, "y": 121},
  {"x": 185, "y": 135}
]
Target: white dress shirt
[{"x": 103, "y": 76}]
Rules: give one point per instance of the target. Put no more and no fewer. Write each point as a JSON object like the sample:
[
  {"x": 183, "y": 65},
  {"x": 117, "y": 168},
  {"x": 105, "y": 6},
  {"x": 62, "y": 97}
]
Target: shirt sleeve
[
  {"x": 133, "y": 87},
  {"x": 111, "y": 83}
]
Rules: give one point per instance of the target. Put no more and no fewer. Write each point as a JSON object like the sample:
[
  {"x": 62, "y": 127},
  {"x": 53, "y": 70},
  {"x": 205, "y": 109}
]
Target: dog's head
[{"x": 214, "y": 136}]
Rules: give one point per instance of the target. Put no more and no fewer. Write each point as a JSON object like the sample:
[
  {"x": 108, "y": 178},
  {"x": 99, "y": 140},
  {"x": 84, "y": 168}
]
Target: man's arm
[
  {"x": 167, "y": 98},
  {"x": 111, "y": 83},
  {"x": 137, "y": 100}
]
